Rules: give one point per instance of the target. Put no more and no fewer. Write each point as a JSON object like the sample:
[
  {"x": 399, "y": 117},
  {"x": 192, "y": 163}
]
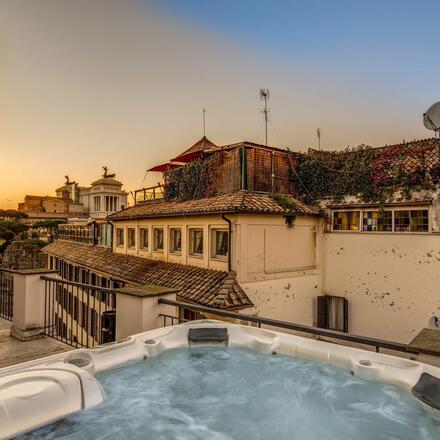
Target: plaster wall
[{"x": 390, "y": 280}]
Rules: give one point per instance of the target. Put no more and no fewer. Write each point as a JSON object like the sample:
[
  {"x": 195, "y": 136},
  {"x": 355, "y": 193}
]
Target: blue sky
[
  {"x": 394, "y": 41},
  {"x": 124, "y": 82}
]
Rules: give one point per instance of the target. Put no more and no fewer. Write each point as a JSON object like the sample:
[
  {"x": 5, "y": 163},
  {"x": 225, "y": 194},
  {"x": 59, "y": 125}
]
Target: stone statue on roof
[
  {"x": 106, "y": 174},
  {"x": 68, "y": 182}
]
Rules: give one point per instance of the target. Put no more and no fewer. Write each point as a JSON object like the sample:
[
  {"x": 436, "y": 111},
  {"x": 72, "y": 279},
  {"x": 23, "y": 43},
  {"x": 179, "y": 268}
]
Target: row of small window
[
  {"x": 220, "y": 240},
  {"x": 409, "y": 220}
]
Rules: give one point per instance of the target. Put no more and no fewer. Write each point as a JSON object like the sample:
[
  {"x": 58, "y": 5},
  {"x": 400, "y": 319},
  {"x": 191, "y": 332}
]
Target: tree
[
  {"x": 6, "y": 234},
  {"x": 12, "y": 213},
  {"x": 15, "y": 227},
  {"x": 48, "y": 223}
]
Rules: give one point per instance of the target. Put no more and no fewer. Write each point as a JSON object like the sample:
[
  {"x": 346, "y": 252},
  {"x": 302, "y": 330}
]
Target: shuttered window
[{"x": 332, "y": 313}]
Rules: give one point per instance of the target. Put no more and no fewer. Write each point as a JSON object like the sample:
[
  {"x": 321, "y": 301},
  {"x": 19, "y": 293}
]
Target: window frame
[
  {"x": 214, "y": 255},
  {"x": 120, "y": 243},
  {"x": 347, "y": 210},
  {"x": 132, "y": 231},
  {"x": 191, "y": 253},
  {"x": 147, "y": 234},
  {"x": 171, "y": 238},
  {"x": 393, "y": 210},
  {"x": 155, "y": 248}
]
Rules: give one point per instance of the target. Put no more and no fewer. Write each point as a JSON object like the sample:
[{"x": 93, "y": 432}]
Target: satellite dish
[{"x": 431, "y": 119}]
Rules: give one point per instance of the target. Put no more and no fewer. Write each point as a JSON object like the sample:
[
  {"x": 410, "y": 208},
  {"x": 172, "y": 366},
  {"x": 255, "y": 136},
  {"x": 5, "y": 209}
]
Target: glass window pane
[
  {"x": 176, "y": 240},
  {"x": 158, "y": 239},
  {"x": 346, "y": 220},
  {"x": 377, "y": 221},
  {"x": 131, "y": 237},
  {"x": 401, "y": 221},
  {"x": 196, "y": 239},
  {"x": 221, "y": 243},
  {"x": 411, "y": 220},
  {"x": 144, "y": 238},
  {"x": 419, "y": 221},
  {"x": 120, "y": 237}
]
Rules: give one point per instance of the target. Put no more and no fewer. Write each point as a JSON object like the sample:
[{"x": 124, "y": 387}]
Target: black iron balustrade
[
  {"x": 259, "y": 321},
  {"x": 6, "y": 295},
  {"x": 81, "y": 315}
]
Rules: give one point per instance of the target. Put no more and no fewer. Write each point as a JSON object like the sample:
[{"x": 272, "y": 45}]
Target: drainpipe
[{"x": 229, "y": 241}]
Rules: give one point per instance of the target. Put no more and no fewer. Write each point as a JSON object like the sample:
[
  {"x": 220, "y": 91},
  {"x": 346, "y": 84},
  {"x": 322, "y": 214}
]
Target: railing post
[
  {"x": 138, "y": 309},
  {"x": 29, "y": 297}
]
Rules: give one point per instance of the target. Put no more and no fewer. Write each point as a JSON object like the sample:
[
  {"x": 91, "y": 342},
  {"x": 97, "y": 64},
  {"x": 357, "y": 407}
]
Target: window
[
  {"x": 196, "y": 241},
  {"x": 97, "y": 203},
  {"x": 332, "y": 313},
  {"x": 175, "y": 240},
  {"x": 119, "y": 236},
  {"x": 220, "y": 243},
  {"x": 143, "y": 238},
  {"x": 346, "y": 220},
  {"x": 375, "y": 221},
  {"x": 411, "y": 221},
  {"x": 158, "y": 239},
  {"x": 131, "y": 237}
]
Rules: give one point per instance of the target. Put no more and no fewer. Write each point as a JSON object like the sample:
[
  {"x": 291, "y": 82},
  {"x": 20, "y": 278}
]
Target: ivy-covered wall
[{"x": 371, "y": 174}]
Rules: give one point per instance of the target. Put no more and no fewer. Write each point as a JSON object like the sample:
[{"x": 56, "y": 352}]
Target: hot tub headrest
[
  {"x": 427, "y": 389},
  {"x": 208, "y": 334}
]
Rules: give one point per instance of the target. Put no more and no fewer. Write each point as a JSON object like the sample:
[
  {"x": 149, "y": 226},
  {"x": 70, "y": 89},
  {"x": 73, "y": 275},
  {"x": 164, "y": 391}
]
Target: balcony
[
  {"x": 150, "y": 193},
  {"x": 90, "y": 234}
]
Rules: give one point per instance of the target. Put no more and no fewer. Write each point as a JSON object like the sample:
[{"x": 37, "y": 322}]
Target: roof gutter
[{"x": 229, "y": 241}]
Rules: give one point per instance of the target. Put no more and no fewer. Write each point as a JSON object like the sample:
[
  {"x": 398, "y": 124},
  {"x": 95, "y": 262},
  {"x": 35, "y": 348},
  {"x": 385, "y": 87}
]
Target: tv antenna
[
  {"x": 318, "y": 134},
  {"x": 204, "y": 121},
  {"x": 264, "y": 96},
  {"x": 431, "y": 119}
]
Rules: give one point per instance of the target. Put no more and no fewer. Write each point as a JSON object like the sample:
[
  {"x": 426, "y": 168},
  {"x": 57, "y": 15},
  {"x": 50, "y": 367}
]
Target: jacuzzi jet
[{"x": 150, "y": 341}]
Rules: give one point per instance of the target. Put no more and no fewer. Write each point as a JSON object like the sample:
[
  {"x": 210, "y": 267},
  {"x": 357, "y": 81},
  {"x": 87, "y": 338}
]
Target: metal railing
[
  {"x": 259, "y": 321},
  {"x": 81, "y": 315},
  {"x": 151, "y": 193},
  {"x": 172, "y": 320},
  {"x": 6, "y": 295},
  {"x": 85, "y": 234}
]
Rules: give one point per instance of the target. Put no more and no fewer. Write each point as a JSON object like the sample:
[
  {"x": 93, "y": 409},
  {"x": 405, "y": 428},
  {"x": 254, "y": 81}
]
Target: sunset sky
[{"x": 86, "y": 83}]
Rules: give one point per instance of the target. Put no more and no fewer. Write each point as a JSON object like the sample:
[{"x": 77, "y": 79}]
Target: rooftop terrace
[{"x": 13, "y": 351}]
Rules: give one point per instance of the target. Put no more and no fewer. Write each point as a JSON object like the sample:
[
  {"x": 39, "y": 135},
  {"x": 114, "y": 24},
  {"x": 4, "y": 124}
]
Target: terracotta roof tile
[
  {"x": 238, "y": 202},
  {"x": 208, "y": 287},
  {"x": 203, "y": 145}
]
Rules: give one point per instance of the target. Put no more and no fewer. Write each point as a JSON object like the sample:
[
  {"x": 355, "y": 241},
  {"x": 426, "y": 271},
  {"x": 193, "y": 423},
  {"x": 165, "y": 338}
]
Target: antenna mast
[
  {"x": 264, "y": 96},
  {"x": 204, "y": 121}
]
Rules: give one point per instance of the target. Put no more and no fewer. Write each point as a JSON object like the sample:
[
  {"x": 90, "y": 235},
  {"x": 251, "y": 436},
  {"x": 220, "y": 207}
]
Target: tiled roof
[
  {"x": 208, "y": 287},
  {"x": 238, "y": 202},
  {"x": 203, "y": 144}
]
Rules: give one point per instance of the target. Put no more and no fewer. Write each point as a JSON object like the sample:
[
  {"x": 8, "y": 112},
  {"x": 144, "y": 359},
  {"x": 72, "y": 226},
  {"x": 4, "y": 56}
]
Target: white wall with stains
[
  {"x": 392, "y": 281},
  {"x": 280, "y": 268}
]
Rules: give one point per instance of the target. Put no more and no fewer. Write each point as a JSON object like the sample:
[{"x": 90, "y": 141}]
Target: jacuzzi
[{"x": 215, "y": 380}]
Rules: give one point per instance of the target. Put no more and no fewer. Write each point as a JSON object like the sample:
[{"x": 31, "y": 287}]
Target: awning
[{"x": 165, "y": 167}]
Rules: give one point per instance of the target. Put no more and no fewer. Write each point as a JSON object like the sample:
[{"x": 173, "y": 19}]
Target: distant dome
[{"x": 106, "y": 181}]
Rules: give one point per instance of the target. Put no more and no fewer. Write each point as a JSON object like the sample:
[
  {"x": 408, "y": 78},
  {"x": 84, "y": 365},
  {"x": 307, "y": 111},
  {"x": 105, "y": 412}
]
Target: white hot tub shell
[{"x": 39, "y": 392}]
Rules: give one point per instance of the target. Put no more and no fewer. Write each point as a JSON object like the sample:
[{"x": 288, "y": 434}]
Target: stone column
[
  {"x": 29, "y": 301},
  {"x": 138, "y": 309}
]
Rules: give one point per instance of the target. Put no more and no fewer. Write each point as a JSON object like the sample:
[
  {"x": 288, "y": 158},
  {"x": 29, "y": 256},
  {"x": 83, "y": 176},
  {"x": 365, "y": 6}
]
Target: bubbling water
[{"x": 237, "y": 394}]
